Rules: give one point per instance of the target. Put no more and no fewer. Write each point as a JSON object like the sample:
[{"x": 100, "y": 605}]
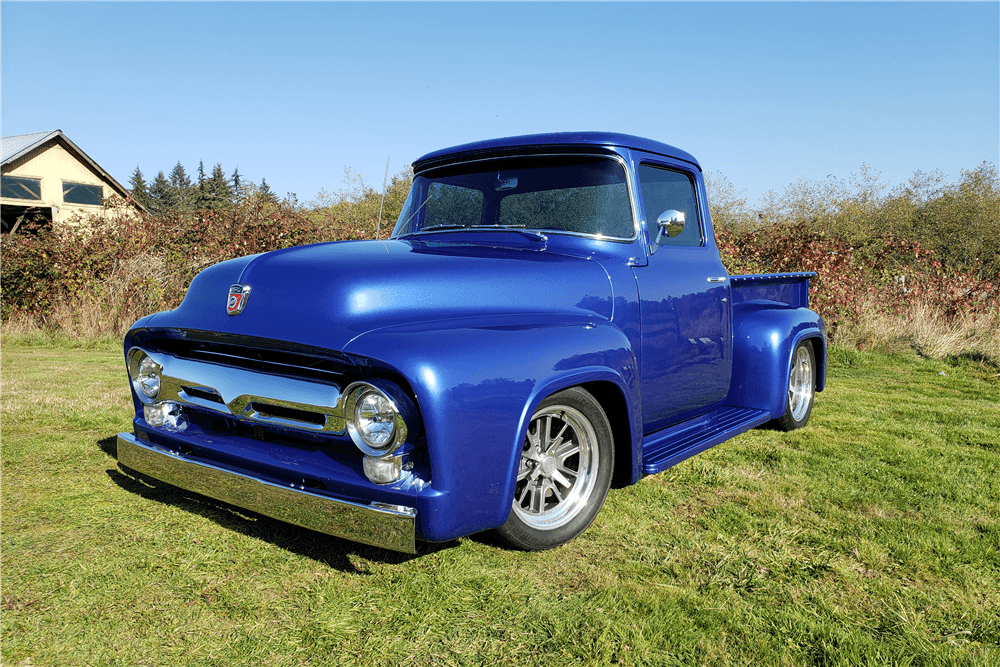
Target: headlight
[
  {"x": 168, "y": 416},
  {"x": 145, "y": 374},
  {"x": 149, "y": 377},
  {"x": 375, "y": 417},
  {"x": 384, "y": 470},
  {"x": 374, "y": 420}
]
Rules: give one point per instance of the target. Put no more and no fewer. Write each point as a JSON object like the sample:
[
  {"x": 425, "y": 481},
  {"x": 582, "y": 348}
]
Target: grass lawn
[{"x": 872, "y": 537}]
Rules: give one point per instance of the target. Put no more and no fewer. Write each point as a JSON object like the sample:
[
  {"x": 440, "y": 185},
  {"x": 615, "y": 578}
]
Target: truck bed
[{"x": 790, "y": 289}]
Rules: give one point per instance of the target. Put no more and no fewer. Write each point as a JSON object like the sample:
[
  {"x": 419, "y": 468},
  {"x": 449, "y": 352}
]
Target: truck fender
[
  {"x": 477, "y": 382},
  {"x": 764, "y": 337}
]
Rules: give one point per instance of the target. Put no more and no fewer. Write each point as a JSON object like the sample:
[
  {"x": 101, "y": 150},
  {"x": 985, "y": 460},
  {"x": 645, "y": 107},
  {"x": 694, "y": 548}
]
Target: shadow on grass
[
  {"x": 988, "y": 366},
  {"x": 109, "y": 446},
  {"x": 331, "y": 551},
  {"x": 490, "y": 539}
]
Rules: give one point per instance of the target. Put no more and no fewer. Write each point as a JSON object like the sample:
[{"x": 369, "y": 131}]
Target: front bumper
[{"x": 387, "y": 526}]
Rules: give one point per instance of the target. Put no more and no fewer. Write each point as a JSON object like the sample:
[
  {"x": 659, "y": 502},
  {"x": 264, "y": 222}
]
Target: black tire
[
  {"x": 801, "y": 388},
  {"x": 564, "y": 473}
]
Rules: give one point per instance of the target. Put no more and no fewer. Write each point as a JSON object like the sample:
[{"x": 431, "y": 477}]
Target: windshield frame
[{"x": 616, "y": 157}]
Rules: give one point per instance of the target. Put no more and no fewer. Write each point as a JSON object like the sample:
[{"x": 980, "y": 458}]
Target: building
[{"x": 47, "y": 175}]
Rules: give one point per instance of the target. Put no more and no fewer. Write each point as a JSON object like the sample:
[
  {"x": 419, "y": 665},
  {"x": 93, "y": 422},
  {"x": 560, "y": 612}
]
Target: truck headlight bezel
[
  {"x": 146, "y": 375},
  {"x": 375, "y": 420}
]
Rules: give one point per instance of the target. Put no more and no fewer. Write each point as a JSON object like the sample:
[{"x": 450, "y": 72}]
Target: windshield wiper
[
  {"x": 451, "y": 226},
  {"x": 427, "y": 229},
  {"x": 530, "y": 233}
]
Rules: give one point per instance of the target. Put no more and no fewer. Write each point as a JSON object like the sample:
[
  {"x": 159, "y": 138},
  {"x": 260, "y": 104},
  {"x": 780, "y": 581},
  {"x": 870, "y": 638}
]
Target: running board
[{"x": 667, "y": 448}]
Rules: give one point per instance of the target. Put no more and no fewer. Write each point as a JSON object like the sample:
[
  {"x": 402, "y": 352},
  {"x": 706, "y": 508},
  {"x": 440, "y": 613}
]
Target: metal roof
[
  {"x": 15, "y": 146},
  {"x": 559, "y": 139}
]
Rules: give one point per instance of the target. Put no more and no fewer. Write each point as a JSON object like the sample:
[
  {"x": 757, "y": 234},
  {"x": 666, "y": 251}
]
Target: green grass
[{"x": 872, "y": 537}]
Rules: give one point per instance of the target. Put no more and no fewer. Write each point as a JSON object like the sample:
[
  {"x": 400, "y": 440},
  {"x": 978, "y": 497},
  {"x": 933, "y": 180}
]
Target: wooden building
[{"x": 47, "y": 176}]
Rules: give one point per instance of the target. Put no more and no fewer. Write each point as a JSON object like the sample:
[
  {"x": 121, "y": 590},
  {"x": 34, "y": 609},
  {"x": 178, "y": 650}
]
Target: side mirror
[{"x": 669, "y": 224}]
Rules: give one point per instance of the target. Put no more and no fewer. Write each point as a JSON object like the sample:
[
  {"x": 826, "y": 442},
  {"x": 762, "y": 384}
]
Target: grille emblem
[{"x": 238, "y": 295}]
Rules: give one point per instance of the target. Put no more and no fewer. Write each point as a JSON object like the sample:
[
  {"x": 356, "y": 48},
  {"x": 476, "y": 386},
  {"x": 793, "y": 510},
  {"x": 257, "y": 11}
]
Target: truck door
[{"x": 685, "y": 328}]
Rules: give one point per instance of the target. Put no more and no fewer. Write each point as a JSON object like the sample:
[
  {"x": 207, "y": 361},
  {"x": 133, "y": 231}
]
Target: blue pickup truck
[{"x": 550, "y": 317}]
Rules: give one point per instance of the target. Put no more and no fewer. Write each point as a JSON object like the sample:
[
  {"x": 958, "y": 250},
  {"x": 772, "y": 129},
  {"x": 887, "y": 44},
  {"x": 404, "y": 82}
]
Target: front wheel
[
  {"x": 564, "y": 474},
  {"x": 801, "y": 388}
]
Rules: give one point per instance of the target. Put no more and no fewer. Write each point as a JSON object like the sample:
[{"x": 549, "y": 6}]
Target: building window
[
  {"x": 78, "y": 193},
  {"x": 16, "y": 187}
]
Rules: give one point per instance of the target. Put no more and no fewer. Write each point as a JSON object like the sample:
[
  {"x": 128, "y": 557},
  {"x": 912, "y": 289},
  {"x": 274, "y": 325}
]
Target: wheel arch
[
  {"x": 609, "y": 389},
  {"x": 798, "y": 406},
  {"x": 612, "y": 400},
  {"x": 819, "y": 353},
  {"x": 817, "y": 342}
]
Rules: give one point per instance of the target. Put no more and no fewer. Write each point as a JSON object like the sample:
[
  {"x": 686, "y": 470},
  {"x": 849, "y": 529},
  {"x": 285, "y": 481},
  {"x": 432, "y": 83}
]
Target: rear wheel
[
  {"x": 801, "y": 388},
  {"x": 564, "y": 474}
]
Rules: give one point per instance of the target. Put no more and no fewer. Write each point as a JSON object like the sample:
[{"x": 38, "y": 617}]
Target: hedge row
[{"x": 116, "y": 267}]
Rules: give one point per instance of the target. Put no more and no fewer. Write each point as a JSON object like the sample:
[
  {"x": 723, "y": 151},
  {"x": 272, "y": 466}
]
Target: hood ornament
[{"x": 238, "y": 295}]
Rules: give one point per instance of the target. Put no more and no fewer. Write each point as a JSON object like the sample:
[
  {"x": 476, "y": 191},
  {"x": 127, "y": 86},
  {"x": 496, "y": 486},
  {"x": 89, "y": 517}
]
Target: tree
[
  {"x": 200, "y": 199},
  {"x": 181, "y": 184},
  {"x": 140, "y": 193},
  {"x": 357, "y": 204},
  {"x": 728, "y": 206},
  {"x": 161, "y": 195},
  {"x": 179, "y": 177},
  {"x": 216, "y": 190},
  {"x": 265, "y": 193}
]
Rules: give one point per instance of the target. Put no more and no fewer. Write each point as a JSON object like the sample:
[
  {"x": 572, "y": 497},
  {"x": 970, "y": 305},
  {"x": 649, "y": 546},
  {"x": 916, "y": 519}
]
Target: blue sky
[{"x": 765, "y": 93}]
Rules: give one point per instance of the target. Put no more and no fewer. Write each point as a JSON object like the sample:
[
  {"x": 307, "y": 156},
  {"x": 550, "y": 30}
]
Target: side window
[{"x": 664, "y": 189}]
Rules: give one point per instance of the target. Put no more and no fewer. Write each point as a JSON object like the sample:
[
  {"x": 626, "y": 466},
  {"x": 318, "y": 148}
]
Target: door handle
[{"x": 720, "y": 279}]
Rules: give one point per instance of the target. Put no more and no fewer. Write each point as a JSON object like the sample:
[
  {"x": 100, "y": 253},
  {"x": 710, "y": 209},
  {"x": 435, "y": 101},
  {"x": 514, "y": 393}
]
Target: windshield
[{"x": 573, "y": 194}]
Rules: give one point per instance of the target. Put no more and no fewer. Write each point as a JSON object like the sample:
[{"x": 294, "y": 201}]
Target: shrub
[
  {"x": 923, "y": 257},
  {"x": 103, "y": 273},
  {"x": 958, "y": 222},
  {"x": 887, "y": 273}
]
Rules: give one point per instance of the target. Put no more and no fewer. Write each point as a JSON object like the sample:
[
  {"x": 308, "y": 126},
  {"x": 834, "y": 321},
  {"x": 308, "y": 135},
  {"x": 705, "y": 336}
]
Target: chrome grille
[
  {"x": 286, "y": 400},
  {"x": 271, "y": 357}
]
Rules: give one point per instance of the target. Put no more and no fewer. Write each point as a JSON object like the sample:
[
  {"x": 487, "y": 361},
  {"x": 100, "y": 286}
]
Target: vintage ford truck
[{"x": 550, "y": 316}]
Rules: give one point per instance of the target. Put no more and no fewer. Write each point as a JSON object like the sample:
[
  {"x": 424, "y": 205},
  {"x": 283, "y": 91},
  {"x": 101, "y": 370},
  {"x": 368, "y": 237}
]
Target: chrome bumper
[{"x": 387, "y": 526}]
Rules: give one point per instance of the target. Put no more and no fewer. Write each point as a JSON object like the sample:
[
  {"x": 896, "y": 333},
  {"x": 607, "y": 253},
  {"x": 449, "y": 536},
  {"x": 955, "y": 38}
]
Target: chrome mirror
[{"x": 669, "y": 224}]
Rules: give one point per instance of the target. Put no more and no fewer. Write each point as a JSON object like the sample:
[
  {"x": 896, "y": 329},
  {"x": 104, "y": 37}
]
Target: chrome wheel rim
[
  {"x": 800, "y": 384},
  {"x": 558, "y": 469}
]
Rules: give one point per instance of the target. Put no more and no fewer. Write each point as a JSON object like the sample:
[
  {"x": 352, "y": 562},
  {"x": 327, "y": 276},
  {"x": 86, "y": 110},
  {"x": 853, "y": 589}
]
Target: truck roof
[{"x": 561, "y": 139}]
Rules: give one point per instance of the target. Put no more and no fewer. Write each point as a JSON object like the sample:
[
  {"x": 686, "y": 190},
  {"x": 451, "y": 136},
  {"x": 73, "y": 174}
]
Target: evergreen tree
[
  {"x": 237, "y": 185},
  {"x": 161, "y": 194},
  {"x": 179, "y": 177},
  {"x": 265, "y": 192},
  {"x": 201, "y": 199},
  {"x": 218, "y": 192},
  {"x": 181, "y": 184},
  {"x": 140, "y": 192}
]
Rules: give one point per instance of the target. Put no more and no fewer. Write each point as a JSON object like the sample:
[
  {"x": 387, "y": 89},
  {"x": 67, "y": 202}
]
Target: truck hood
[{"x": 326, "y": 294}]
